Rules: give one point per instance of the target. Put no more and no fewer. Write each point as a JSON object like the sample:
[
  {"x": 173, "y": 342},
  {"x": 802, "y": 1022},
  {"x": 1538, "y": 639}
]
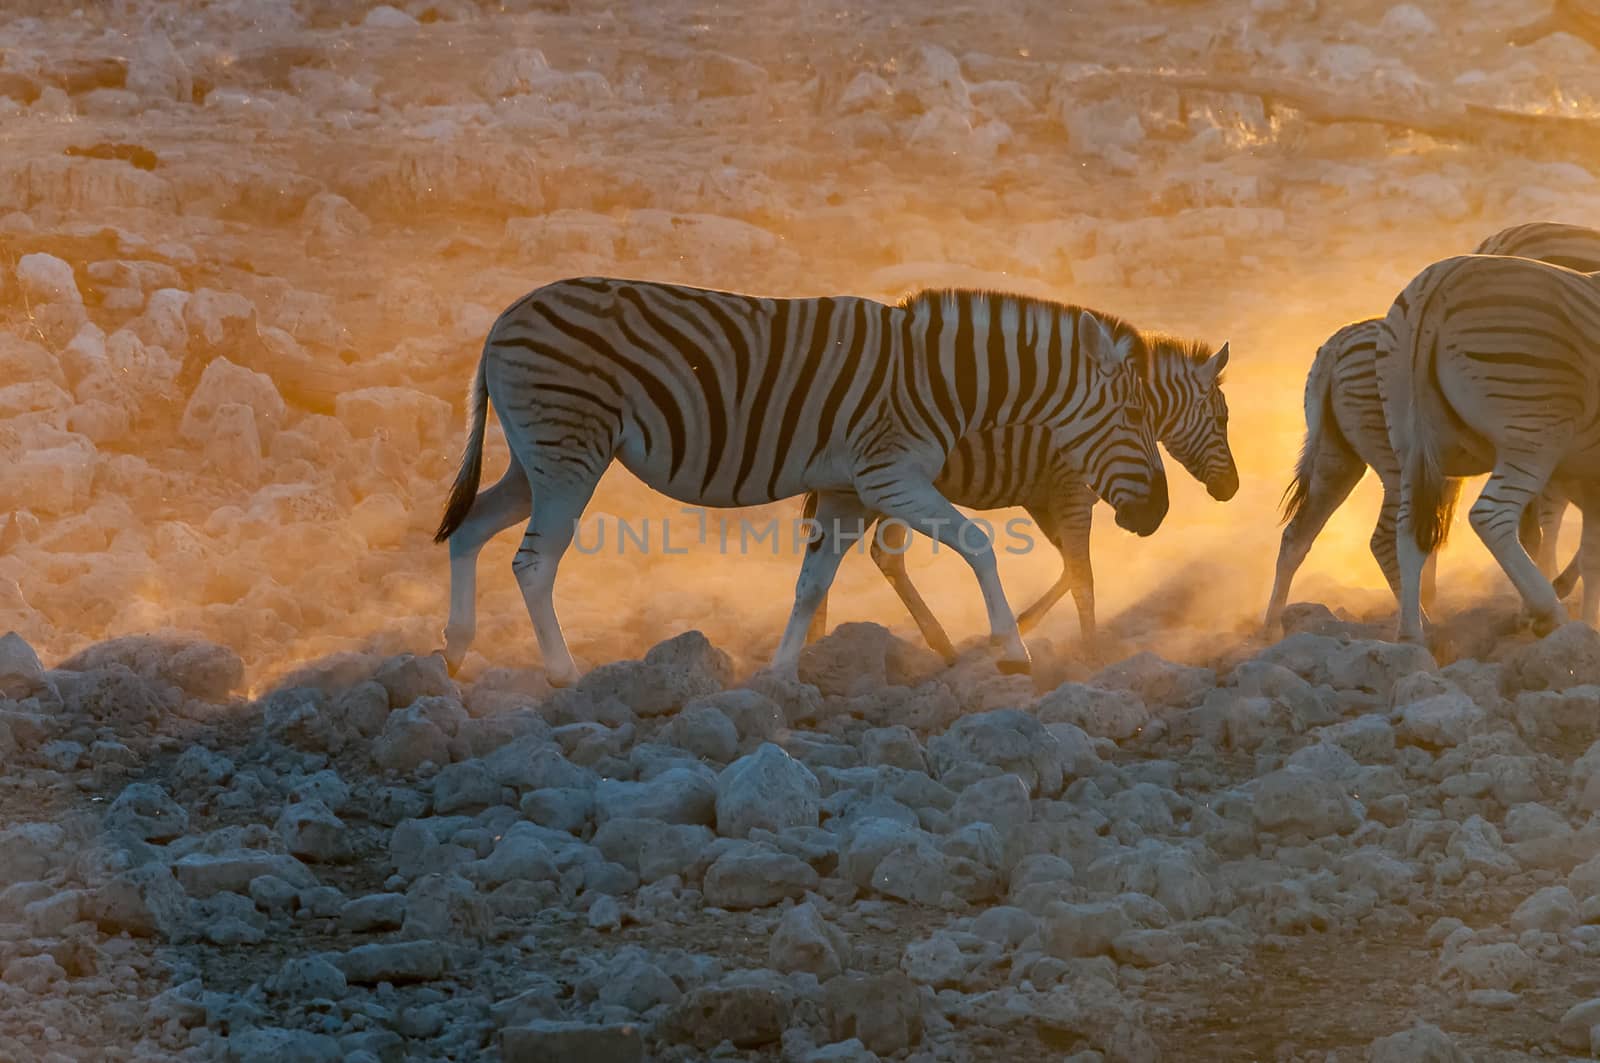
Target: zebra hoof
[{"x": 1009, "y": 667}]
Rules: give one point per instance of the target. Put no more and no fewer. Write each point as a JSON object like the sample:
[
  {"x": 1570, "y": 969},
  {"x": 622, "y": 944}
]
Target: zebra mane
[
  {"x": 1197, "y": 351},
  {"x": 1143, "y": 346}
]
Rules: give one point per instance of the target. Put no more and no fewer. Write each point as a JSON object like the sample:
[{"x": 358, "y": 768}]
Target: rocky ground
[
  {"x": 248, "y": 249},
  {"x": 1325, "y": 848}
]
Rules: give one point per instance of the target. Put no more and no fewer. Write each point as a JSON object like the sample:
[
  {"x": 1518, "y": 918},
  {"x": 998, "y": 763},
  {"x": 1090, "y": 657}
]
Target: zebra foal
[
  {"x": 1492, "y": 364},
  {"x": 722, "y": 399},
  {"x": 1022, "y": 467},
  {"x": 1347, "y": 433}
]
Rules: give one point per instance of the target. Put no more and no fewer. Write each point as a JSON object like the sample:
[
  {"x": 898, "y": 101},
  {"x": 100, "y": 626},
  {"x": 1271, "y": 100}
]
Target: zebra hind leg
[
  {"x": 493, "y": 511},
  {"x": 889, "y": 552},
  {"x": 1552, "y": 508},
  {"x": 558, "y": 503},
  {"x": 912, "y": 498},
  {"x": 1588, "y": 560},
  {"x": 1497, "y": 515},
  {"x": 1409, "y": 560},
  {"x": 1335, "y": 471},
  {"x": 841, "y": 520}
]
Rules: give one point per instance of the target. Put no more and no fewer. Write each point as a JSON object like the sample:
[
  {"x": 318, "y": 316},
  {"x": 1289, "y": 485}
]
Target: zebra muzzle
[
  {"x": 1224, "y": 485},
  {"x": 1144, "y": 516}
]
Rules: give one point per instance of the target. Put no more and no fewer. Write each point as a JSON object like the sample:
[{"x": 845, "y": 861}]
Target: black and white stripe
[
  {"x": 1492, "y": 364},
  {"x": 1020, "y": 467},
  {"x": 724, "y": 399},
  {"x": 1347, "y": 433}
]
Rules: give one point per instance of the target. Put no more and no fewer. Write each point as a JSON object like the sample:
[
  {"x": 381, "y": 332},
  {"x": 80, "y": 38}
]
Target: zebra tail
[
  {"x": 808, "y": 509},
  {"x": 465, "y": 490},
  {"x": 1319, "y": 382},
  {"x": 1433, "y": 496}
]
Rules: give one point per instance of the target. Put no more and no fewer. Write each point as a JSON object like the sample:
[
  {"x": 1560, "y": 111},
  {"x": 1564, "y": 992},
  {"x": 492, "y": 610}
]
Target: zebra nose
[
  {"x": 1144, "y": 516},
  {"x": 1224, "y": 485}
]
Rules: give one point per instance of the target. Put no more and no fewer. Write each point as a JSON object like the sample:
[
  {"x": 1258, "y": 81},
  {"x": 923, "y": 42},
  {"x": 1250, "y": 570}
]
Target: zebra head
[
  {"x": 1118, "y": 453},
  {"x": 1190, "y": 412}
]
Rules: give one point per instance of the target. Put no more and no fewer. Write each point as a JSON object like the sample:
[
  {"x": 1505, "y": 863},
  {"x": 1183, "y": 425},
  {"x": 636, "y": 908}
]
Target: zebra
[
  {"x": 723, "y": 399},
  {"x": 1019, "y": 467},
  {"x": 1490, "y": 364},
  {"x": 1346, "y": 432}
]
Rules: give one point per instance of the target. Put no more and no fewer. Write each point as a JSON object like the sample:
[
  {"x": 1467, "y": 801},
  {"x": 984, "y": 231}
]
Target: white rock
[
  {"x": 385, "y": 17},
  {"x": 756, "y": 876},
  {"x": 1502, "y": 965},
  {"x": 1102, "y": 713},
  {"x": 21, "y": 673},
  {"x": 273, "y": 1044},
  {"x": 1407, "y": 20},
  {"x": 767, "y": 789},
  {"x": 703, "y": 730},
  {"x": 311, "y": 831},
  {"x": 308, "y": 978},
  {"x": 1577, "y": 1024},
  {"x": 1071, "y": 930},
  {"x": 519, "y": 855},
  {"x": 1001, "y": 801},
  {"x": 224, "y": 382},
  {"x": 1157, "y": 681},
  {"x": 147, "y": 812},
  {"x": 1553, "y": 908},
  {"x": 677, "y": 795},
  {"x": 998, "y": 742},
  {"x": 936, "y": 961},
  {"x": 1479, "y": 847},
  {"x": 805, "y": 941},
  {"x": 1423, "y": 1043},
  {"x": 1296, "y": 801},
  {"x": 413, "y": 418},
  {"x": 1441, "y": 721},
  {"x": 44, "y": 278}
]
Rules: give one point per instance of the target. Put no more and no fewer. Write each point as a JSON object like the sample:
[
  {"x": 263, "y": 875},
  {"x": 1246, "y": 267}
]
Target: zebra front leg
[
  {"x": 493, "y": 511},
  {"x": 1066, "y": 522},
  {"x": 914, "y": 500},
  {"x": 1334, "y": 474},
  {"x": 557, "y": 506},
  {"x": 1497, "y": 515},
  {"x": 840, "y": 521},
  {"x": 889, "y": 551}
]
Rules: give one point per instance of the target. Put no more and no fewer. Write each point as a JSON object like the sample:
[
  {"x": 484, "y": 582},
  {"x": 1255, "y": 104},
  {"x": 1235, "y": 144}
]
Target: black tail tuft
[
  {"x": 1433, "y": 507},
  {"x": 465, "y": 490},
  {"x": 1298, "y": 493}
]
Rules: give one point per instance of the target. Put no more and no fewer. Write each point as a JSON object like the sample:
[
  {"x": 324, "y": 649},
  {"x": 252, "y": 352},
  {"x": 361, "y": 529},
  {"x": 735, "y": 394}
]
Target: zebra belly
[{"x": 826, "y": 473}]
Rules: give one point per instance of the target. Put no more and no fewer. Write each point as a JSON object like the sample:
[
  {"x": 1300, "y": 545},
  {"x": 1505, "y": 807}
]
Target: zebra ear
[
  {"x": 1217, "y": 363},
  {"x": 1107, "y": 351}
]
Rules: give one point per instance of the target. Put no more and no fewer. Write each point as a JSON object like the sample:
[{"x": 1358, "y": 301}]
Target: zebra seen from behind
[
  {"x": 1347, "y": 433},
  {"x": 723, "y": 399},
  {"x": 1492, "y": 364},
  {"x": 1021, "y": 467}
]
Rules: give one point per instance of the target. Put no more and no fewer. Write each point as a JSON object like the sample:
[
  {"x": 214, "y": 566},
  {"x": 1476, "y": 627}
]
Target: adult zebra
[
  {"x": 1346, "y": 432},
  {"x": 1019, "y": 467},
  {"x": 723, "y": 399},
  {"x": 1491, "y": 364}
]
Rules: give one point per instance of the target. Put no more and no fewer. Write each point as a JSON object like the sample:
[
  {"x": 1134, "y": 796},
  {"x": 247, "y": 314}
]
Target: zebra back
[{"x": 1572, "y": 246}]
